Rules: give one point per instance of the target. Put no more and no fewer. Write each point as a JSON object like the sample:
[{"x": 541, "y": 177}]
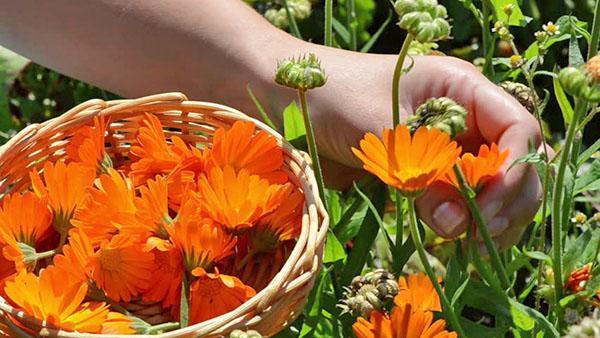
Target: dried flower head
[
  {"x": 522, "y": 93},
  {"x": 303, "y": 73},
  {"x": 440, "y": 113},
  {"x": 368, "y": 293}
]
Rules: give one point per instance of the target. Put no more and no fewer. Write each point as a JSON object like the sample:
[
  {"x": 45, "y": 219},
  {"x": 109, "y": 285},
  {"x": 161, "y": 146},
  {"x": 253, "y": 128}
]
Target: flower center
[
  {"x": 407, "y": 173},
  {"x": 110, "y": 259}
]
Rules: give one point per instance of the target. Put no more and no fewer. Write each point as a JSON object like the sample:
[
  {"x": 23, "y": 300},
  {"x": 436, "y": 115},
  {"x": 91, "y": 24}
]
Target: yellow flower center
[
  {"x": 552, "y": 28},
  {"x": 110, "y": 259}
]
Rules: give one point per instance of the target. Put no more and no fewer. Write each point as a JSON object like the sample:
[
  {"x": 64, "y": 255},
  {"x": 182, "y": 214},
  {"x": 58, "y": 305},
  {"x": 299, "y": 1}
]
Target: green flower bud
[
  {"x": 508, "y": 9},
  {"x": 418, "y": 48},
  {"x": 575, "y": 82},
  {"x": 245, "y": 334},
  {"x": 299, "y": 9},
  {"x": 424, "y": 19},
  {"x": 522, "y": 93},
  {"x": 277, "y": 17},
  {"x": 440, "y": 113},
  {"x": 302, "y": 74}
]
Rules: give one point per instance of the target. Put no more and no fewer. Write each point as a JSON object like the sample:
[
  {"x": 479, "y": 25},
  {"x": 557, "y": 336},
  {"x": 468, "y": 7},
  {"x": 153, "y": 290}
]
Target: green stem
[
  {"x": 351, "y": 23},
  {"x": 593, "y": 47},
  {"x": 557, "y": 199},
  {"x": 396, "y": 79},
  {"x": 416, "y": 236},
  {"x": 312, "y": 145},
  {"x": 486, "y": 34},
  {"x": 469, "y": 195},
  {"x": 399, "y": 219},
  {"x": 328, "y": 23},
  {"x": 164, "y": 327},
  {"x": 261, "y": 110},
  {"x": 184, "y": 311},
  {"x": 292, "y": 21}
]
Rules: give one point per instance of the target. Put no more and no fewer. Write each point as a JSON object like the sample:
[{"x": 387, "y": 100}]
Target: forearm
[{"x": 208, "y": 49}]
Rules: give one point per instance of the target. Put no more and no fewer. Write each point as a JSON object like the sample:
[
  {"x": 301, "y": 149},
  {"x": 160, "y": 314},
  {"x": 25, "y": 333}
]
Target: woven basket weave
[{"x": 276, "y": 305}]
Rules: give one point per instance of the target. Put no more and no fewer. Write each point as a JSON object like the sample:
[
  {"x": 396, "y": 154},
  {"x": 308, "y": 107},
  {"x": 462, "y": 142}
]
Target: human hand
[{"x": 357, "y": 100}]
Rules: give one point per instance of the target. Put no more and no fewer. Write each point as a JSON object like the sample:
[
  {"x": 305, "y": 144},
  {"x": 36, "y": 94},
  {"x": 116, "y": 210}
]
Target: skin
[{"x": 211, "y": 50}]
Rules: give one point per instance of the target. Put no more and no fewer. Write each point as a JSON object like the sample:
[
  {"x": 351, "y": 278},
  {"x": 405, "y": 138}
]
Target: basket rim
[{"x": 311, "y": 239}]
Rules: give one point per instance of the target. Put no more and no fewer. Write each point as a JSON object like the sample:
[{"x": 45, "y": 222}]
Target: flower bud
[
  {"x": 574, "y": 81},
  {"x": 424, "y": 19},
  {"x": 592, "y": 67},
  {"x": 245, "y": 334},
  {"x": 299, "y": 9},
  {"x": 508, "y": 9},
  {"x": 302, "y": 74},
  {"x": 516, "y": 61},
  {"x": 522, "y": 93},
  {"x": 441, "y": 113},
  {"x": 427, "y": 48}
]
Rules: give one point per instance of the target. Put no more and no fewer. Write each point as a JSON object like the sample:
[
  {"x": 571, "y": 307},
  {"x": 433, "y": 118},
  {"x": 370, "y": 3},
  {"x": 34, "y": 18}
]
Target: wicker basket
[{"x": 275, "y": 306}]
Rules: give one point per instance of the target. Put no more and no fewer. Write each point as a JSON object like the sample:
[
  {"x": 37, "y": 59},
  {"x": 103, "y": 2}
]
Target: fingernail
[
  {"x": 491, "y": 210},
  {"x": 498, "y": 225},
  {"x": 448, "y": 216}
]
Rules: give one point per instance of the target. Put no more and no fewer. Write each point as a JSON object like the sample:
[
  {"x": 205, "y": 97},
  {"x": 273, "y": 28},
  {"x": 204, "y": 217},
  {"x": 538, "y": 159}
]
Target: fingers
[{"x": 444, "y": 210}]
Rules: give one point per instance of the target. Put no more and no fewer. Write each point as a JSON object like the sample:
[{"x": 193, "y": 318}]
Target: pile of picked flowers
[{"x": 194, "y": 231}]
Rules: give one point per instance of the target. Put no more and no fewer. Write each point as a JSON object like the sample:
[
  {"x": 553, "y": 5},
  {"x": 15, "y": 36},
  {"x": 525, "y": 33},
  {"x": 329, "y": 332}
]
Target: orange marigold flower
[
  {"x": 154, "y": 156},
  {"x": 214, "y": 294},
  {"x": 75, "y": 256},
  {"x": 121, "y": 267},
  {"x": 153, "y": 206},
  {"x": 167, "y": 271},
  {"x": 57, "y": 300},
  {"x": 117, "y": 323},
  {"x": 281, "y": 225},
  {"x": 24, "y": 219},
  {"x": 201, "y": 242},
  {"x": 418, "y": 291},
  {"x": 237, "y": 200},
  {"x": 478, "y": 169},
  {"x": 403, "y": 322},
  {"x": 408, "y": 163},
  {"x": 65, "y": 187},
  {"x": 87, "y": 146},
  {"x": 241, "y": 147},
  {"x": 110, "y": 204},
  {"x": 579, "y": 278}
]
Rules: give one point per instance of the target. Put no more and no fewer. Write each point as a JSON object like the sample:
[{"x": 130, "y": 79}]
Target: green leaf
[
  {"x": 10, "y": 66},
  {"x": 312, "y": 312},
  {"x": 365, "y": 238},
  {"x": 563, "y": 102},
  {"x": 261, "y": 111},
  {"x": 341, "y": 31},
  {"x": 521, "y": 319},
  {"x": 367, "y": 47},
  {"x": 590, "y": 180},
  {"x": 334, "y": 250},
  {"x": 587, "y": 154},
  {"x": 516, "y": 18},
  {"x": 575, "y": 57},
  {"x": 580, "y": 251},
  {"x": 532, "y": 158},
  {"x": 294, "y": 130},
  {"x": 534, "y": 315}
]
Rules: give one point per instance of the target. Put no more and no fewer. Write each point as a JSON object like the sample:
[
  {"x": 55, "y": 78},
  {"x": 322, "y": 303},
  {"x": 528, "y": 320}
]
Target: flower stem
[
  {"x": 312, "y": 145},
  {"x": 351, "y": 23},
  {"x": 328, "y": 23},
  {"x": 292, "y": 21},
  {"x": 164, "y": 327},
  {"x": 469, "y": 195},
  {"x": 396, "y": 79},
  {"x": 557, "y": 204},
  {"x": 184, "y": 312},
  {"x": 488, "y": 47},
  {"x": 593, "y": 47},
  {"x": 261, "y": 110},
  {"x": 416, "y": 236}
]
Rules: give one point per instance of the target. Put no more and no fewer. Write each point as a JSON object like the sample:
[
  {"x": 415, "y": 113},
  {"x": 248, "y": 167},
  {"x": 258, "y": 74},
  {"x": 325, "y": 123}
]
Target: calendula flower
[
  {"x": 87, "y": 146},
  {"x": 281, "y": 225},
  {"x": 154, "y": 156},
  {"x": 579, "y": 278},
  {"x": 117, "y": 323},
  {"x": 479, "y": 169},
  {"x": 237, "y": 199},
  {"x": 153, "y": 206},
  {"x": 24, "y": 220},
  {"x": 241, "y": 147},
  {"x": 551, "y": 29},
  {"x": 109, "y": 207},
  {"x": 403, "y": 322},
  {"x": 64, "y": 186},
  {"x": 73, "y": 261},
  {"x": 201, "y": 242},
  {"x": 214, "y": 294},
  {"x": 167, "y": 271},
  {"x": 417, "y": 290},
  {"x": 408, "y": 163},
  {"x": 54, "y": 298},
  {"x": 121, "y": 267}
]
